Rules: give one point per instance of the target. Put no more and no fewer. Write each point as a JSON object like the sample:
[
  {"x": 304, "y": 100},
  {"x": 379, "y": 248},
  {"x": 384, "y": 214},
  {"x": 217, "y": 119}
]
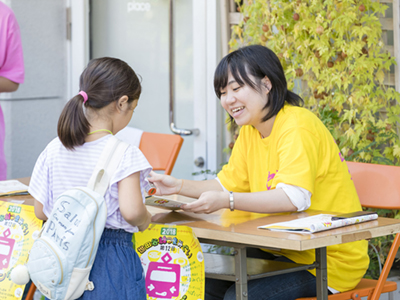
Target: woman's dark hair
[
  {"x": 104, "y": 80},
  {"x": 258, "y": 61}
]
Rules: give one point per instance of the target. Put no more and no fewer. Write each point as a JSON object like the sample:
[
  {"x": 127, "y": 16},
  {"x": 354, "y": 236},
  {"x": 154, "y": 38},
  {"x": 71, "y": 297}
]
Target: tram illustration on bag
[
  {"x": 163, "y": 278},
  {"x": 6, "y": 249}
]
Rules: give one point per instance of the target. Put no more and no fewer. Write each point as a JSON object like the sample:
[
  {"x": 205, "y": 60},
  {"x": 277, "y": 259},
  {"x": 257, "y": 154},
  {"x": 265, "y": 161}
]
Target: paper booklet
[
  {"x": 322, "y": 222},
  {"x": 12, "y": 188},
  {"x": 164, "y": 203}
]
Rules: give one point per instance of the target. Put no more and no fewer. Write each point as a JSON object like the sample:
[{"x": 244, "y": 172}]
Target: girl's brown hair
[{"x": 104, "y": 80}]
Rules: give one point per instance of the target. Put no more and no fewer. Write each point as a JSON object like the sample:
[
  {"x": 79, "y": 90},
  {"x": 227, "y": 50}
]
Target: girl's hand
[
  {"x": 165, "y": 184},
  {"x": 208, "y": 202}
]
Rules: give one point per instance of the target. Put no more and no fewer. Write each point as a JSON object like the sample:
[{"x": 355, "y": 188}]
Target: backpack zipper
[{"x": 59, "y": 260}]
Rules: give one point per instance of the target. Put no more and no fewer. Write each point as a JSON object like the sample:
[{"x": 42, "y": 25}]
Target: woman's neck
[{"x": 265, "y": 128}]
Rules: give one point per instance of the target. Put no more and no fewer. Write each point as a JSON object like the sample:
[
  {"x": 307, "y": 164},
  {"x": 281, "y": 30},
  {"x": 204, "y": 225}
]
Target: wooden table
[{"x": 239, "y": 230}]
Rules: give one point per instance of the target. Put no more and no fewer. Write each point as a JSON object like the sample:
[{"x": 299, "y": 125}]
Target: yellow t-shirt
[{"x": 301, "y": 151}]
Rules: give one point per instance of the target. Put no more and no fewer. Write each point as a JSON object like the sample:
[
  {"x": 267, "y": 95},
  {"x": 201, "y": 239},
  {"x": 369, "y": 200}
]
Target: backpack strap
[{"x": 107, "y": 165}]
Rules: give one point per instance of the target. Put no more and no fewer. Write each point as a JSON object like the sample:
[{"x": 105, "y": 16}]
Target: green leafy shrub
[{"x": 333, "y": 56}]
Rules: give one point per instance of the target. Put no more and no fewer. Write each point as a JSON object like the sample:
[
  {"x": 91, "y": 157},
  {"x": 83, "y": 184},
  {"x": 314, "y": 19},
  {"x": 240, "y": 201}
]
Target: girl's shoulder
[
  {"x": 51, "y": 147},
  {"x": 54, "y": 143},
  {"x": 134, "y": 156}
]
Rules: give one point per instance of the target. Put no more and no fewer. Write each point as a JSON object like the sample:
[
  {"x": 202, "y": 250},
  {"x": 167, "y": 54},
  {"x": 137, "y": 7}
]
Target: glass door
[{"x": 138, "y": 32}]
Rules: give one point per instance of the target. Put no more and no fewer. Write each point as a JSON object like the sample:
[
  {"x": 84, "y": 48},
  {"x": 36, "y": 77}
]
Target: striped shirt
[{"x": 58, "y": 169}]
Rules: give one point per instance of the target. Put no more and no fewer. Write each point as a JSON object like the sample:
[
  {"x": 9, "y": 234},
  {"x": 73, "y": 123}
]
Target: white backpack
[{"x": 62, "y": 256}]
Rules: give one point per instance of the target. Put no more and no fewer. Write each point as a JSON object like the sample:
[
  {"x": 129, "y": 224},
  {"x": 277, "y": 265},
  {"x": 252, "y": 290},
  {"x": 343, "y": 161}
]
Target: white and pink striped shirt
[{"x": 58, "y": 169}]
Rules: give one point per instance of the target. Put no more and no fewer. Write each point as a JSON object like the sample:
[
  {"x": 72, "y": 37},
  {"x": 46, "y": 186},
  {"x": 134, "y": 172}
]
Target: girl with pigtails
[{"x": 109, "y": 94}]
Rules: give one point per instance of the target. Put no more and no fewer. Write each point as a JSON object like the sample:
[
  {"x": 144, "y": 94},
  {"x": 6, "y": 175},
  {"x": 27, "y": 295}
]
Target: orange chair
[
  {"x": 161, "y": 150},
  {"x": 377, "y": 187}
]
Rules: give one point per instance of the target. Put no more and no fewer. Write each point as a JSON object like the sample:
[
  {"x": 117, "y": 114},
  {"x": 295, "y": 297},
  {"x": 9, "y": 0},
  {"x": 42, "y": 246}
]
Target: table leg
[
  {"x": 322, "y": 274},
  {"x": 241, "y": 273}
]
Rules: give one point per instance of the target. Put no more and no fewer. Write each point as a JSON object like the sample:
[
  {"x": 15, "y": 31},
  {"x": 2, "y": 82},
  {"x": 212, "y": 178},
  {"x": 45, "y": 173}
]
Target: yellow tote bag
[{"x": 173, "y": 262}]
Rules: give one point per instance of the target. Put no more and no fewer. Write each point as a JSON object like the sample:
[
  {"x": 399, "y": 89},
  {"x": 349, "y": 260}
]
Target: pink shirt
[
  {"x": 11, "y": 58},
  {"x": 11, "y": 65}
]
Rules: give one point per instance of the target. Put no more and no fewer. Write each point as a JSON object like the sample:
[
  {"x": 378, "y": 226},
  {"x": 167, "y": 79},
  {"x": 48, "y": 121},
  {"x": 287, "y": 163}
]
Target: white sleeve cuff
[
  {"x": 301, "y": 198},
  {"x": 217, "y": 179}
]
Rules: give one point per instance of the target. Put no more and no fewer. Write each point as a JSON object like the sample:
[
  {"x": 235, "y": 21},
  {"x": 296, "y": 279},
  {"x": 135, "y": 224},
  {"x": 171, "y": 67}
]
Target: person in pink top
[{"x": 12, "y": 71}]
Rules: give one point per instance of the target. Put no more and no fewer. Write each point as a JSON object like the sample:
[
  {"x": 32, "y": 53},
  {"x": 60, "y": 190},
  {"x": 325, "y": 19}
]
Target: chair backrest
[
  {"x": 378, "y": 186},
  {"x": 161, "y": 150}
]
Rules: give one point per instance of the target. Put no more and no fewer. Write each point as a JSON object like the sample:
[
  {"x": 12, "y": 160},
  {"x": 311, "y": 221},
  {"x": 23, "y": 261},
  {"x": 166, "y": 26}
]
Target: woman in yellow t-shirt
[{"x": 284, "y": 160}]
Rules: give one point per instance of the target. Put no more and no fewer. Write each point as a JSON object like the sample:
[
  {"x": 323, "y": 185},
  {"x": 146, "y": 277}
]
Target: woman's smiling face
[{"x": 245, "y": 104}]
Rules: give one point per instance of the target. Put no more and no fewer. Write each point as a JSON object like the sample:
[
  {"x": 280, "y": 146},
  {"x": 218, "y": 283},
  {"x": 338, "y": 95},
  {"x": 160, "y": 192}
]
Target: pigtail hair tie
[{"x": 84, "y": 95}]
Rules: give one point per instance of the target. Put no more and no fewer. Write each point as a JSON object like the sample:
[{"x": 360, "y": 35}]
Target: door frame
[
  {"x": 79, "y": 42},
  {"x": 205, "y": 59}
]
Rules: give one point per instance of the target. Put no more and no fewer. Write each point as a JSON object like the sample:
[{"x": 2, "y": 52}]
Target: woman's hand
[
  {"x": 208, "y": 202},
  {"x": 165, "y": 184}
]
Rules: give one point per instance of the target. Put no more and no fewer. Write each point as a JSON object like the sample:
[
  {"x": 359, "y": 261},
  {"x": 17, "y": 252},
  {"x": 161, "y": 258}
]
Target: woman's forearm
[
  {"x": 272, "y": 201},
  {"x": 193, "y": 188},
  {"x": 259, "y": 202}
]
